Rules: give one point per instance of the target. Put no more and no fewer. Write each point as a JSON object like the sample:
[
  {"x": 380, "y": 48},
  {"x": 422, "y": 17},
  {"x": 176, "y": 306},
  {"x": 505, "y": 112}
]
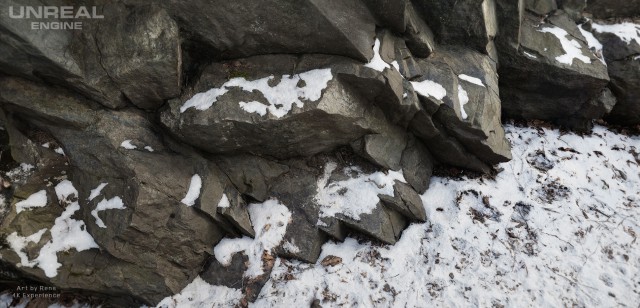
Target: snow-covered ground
[{"x": 557, "y": 227}]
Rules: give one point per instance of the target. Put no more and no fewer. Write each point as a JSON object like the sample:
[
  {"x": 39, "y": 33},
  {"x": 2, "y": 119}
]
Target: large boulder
[
  {"x": 110, "y": 60},
  {"x": 471, "y": 23},
  {"x": 604, "y": 9},
  {"x": 552, "y": 74},
  {"x": 283, "y": 107},
  {"x": 146, "y": 201},
  {"x": 621, "y": 50},
  {"x": 245, "y": 28}
]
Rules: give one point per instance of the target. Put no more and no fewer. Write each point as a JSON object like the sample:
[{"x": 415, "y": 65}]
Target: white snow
[
  {"x": 148, "y": 148},
  {"x": 394, "y": 63},
  {"x": 566, "y": 236},
  {"x": 114, "y": 203},
  {"x": 470, "y": 79},
  {"x": 201, "y": 294},
  {"x": 571, "y": 47},
  {"x": 463, "y": 99},
  {"x": 38, "y": 199},
  {"x": 429, "y": 88},
  {"x": 18, "y": 243},
  {"x": 96, "y": 191},
  {"x": 224, "y": 202},
  {"x": 59, "y": 151},
  {"x": 626, "y": 31},
  {"x": 356, "y": 196},
  {"x": 46, "y": 145},
  {"x": 281, "y": 98},
  {"x": 270, "y": 220},
  {"x": 290, "y": 247},
  {"x": 532, "y": 56},
  {"x": 66, "y": 233},
  {"x": 64, "y": 191},
  {"x": 128, "y": 145},
  {"x": 376, "y": 62},
  {"x": 255, "y": 107},
  {"x": 594, "y": 44},
  {"x": 194, "y": 191}
]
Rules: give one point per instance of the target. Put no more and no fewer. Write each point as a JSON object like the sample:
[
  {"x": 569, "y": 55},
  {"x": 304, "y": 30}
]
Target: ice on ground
[
  {"x": 463, "y": 99},
  {"x": 114, "y": 203},
  {"x": 563, "y": 233},
  {"x": 571, "y": 46},
  {"x": 270, "y": 220},
  {"x": 594, "y": 44},
  {"x": 376, "y": 62},
  {"x": 626, "y": 31},
  {"x": 201, "y": 294},
  {"x": 470, "y": 79},
  {"x": 96, "y": 191},
  {"x": 148, "y": 148},
  {"x": 429, "y": 88},
  {"x": 194, "y": 191},
  {"x": 289, "y": 92},
  {"x": 128, "y": 145},
  {"x": 38, "y": 199},
  {"x": 355, "y": 196}
]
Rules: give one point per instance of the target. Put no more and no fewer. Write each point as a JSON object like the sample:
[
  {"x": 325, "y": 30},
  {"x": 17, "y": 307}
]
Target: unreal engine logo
[{"x": 54, "y": 17}]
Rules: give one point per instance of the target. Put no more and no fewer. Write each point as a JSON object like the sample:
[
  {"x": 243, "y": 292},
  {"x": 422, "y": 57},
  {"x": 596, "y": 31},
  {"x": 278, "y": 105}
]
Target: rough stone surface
[{"x": 535, "y": 85}]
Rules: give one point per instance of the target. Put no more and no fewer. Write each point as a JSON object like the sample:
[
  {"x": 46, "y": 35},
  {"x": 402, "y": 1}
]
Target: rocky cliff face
[{"x": 136, "y": 144}]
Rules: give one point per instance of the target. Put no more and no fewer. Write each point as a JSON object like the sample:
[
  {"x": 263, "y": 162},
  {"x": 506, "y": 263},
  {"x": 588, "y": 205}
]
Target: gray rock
[
  {"x": 509, "y": 14},
  {"x": 390, "y": 13},
  {"x": 321, "y": 26},
  {"x": 232, "y": 275},
  {"x": 340, "y": 115},
  {"x": 614, "y": 48},
  {"x": 417, "y": 164},
  {"x": 154, "y": 232},
  {"x": 406, "y": 202},
  {"x": 625, "y": 84},
  {"x": 382, "y": 224},
  {"x": 143, "y": 58},
  {"x": 384, "y": 150},
  {"x": 252, "y": 175},
  {"x": 535, "y": 85},
  {"x": 470, "y": 23},
  {"x": 613, "y": 8},
  {"x": 541, "y": 7},
  {"x": 419, "y": 37}
]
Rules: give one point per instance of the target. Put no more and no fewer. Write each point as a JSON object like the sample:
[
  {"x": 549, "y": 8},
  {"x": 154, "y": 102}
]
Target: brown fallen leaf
[{"x": 331, "y": 261}]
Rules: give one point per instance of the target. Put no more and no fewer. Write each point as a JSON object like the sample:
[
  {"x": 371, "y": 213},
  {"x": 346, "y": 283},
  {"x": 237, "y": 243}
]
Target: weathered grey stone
[
  {"x": 154, "y": 231},
  {"x": 405, "y": 201},
  {"x": 232, "y": 275},
  {"x": 470, "y": 23},
  {"x": 541, "y": 7},
  {"x": 389, "y": 13},
  {"x": 384, "y": 150},
  {"x": 614, "y": 48},
  {"x": 509, "y": 14},
  {"x": 419, "y": 37},
  {"x": 382, "y": 224},
  {"x": 625, "y": 84},
  {"x": 417, "y": 164},
  {"x": 339, "y": 116},
  {"x": 143, "y": 57},
  {"x": 252, "y": 175},
  {"x": 535, "y": 85},
  {"x": 296, "y": 190},
  {"x": 321, "y": 26},
  {"x": 613, "y": 8}
]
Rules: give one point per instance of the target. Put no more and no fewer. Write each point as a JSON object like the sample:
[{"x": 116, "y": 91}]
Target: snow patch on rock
[
  {"x": 270, "y": 220},
  {"x": 36, "y": 200},
  {"x": 626, "y": 31},
  {"x": 194, "y": 191},
  {"x": 355, "y": 196},
  {"x": 199, "y": 293},
  {"x": 572, "y": 48},
  {"x": 429, "y": 88},
  {"x": 114, "y": 203}
]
